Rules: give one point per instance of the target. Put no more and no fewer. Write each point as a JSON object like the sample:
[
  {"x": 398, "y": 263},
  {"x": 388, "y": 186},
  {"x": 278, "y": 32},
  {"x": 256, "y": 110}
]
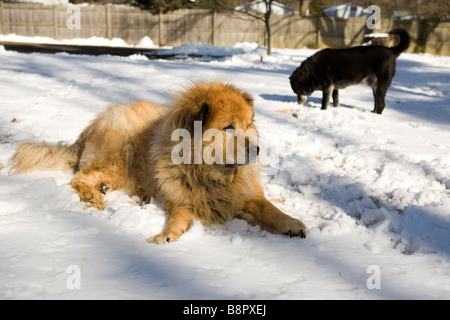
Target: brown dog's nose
[
  {"x": 252, "y": 154},
  {"x": 251, "y": 149}
]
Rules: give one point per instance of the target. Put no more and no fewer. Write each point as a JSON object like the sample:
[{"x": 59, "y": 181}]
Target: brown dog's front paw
[
  {"x": 162, "y": 238},
  {"x": 159, "y": 239},
  {"x": 294, "y": 228},
  {"x": 301, "y": 233}
]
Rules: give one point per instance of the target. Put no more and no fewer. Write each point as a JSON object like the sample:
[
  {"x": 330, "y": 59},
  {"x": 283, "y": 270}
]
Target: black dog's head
[{"x": 301, "y": 82}]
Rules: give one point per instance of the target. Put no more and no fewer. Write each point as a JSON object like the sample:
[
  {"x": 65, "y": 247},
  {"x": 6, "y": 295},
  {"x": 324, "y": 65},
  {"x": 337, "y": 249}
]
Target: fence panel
[{"x": 219, "y": 28}]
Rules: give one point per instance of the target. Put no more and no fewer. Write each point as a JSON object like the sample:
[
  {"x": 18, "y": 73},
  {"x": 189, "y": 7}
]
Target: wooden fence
[{"x": 219, "y": 28}]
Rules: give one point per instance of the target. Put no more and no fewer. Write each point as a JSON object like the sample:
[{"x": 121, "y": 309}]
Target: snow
[
  {"x": 145, "y": 42},
  {"x": 376, "y": 35},
  {"x": 260, "y": 6},
  {"x": 46, "y": 2},
  {"x": 372, "y": 189},
  {"x": 201, "y": 49}
]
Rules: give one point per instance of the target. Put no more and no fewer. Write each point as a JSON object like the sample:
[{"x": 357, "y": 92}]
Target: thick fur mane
[{"x": 218, "y": 190}]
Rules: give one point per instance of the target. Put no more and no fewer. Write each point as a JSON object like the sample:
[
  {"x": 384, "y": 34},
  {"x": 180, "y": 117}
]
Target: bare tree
[
  {"x": 432, "y": 9},
  {"x": 265, "y": 17},
  {"x": 304, "y": 7},
  {"x": 216, "y": 4}
]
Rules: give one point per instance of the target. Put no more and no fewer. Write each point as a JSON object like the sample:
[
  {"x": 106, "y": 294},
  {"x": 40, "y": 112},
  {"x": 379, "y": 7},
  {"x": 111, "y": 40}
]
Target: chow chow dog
[
  {"x": 332, "y": 69},
  {"x": 146, "y": 150}
]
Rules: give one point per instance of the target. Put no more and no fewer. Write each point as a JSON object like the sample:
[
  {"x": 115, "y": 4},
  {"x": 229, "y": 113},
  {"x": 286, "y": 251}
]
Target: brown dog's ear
[
  {"x": 185, "y": 118},
  {"x": 248, "y": 98},
  {"x": 203, "y": 113}
]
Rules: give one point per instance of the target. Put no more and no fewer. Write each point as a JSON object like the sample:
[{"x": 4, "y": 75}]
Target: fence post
[
  {"x": 108, "y": 22},
  {"x": 213, "y": 27},
  {"x": 160, "y": 40},
  {"x": 2, "y": 16},
  {"x": 55, "y": 23},
  {"x": 318, "y": 36}
]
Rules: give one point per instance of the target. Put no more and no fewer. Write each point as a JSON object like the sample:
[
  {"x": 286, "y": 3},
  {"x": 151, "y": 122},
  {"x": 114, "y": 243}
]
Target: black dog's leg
[
  {"x": 379, "y": 93},
  {"x": 326, "y": 95},
  {"x": 380, "y": 87},
  {"x": 381, "y": 103},
  {"x": 335, "y": 98},
  {"x": 375, "y": 108}
]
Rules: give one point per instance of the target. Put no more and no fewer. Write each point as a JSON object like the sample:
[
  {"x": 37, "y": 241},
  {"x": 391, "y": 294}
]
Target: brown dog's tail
[
  {"x": 33, "y": 156},
  {"x": 404, "y": 41}
]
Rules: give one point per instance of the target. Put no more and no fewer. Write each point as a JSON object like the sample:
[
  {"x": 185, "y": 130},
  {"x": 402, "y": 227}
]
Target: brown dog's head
[{"x": 214, "y": 123}]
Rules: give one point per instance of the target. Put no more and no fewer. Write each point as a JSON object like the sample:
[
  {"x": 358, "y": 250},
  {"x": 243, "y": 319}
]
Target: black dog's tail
[{"x": 404, "y": 41}]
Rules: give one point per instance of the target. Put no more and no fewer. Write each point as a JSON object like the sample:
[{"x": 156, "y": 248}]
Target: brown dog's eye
[{"x": 229, "y": 127}]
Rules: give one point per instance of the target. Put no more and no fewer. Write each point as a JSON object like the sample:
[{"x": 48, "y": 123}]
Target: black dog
[{"x": 332, "y": 69}]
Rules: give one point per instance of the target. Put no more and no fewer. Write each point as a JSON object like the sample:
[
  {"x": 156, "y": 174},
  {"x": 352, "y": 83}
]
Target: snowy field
[{"x": 374, "y": 190}]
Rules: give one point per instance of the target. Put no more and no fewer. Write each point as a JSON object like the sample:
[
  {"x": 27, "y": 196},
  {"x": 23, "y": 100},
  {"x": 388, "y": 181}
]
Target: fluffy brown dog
[{"x": 144, "y": 150}]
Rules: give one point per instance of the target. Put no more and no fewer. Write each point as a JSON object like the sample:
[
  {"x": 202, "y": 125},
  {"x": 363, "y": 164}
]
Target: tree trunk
[
  {"x": 267, "y": 23},
  {"x": 304, "y": 7}
]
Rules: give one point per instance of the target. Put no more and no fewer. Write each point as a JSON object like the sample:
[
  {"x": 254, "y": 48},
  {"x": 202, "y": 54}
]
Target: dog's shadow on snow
[
  {"x": 278, "y": 97},
  {"x": 316, "y": 102},
  {"x": 311, "y": 102},
  {"x": 292, "y": 98}
]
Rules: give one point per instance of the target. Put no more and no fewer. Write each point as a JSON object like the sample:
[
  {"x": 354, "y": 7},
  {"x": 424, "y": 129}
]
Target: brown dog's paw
[
  {"x": 301, "y": 233},
  {"x": 90, "y": 195},
  {"x": 293, "y": 228},
  {"x": 162, "y": 238}
]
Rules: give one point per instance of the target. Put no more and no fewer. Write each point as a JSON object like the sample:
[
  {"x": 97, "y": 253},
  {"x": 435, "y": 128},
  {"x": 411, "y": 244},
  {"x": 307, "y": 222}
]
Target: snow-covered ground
[
  {"x": 145, "y": 42},
  {"x": 373, "y": 190}
]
